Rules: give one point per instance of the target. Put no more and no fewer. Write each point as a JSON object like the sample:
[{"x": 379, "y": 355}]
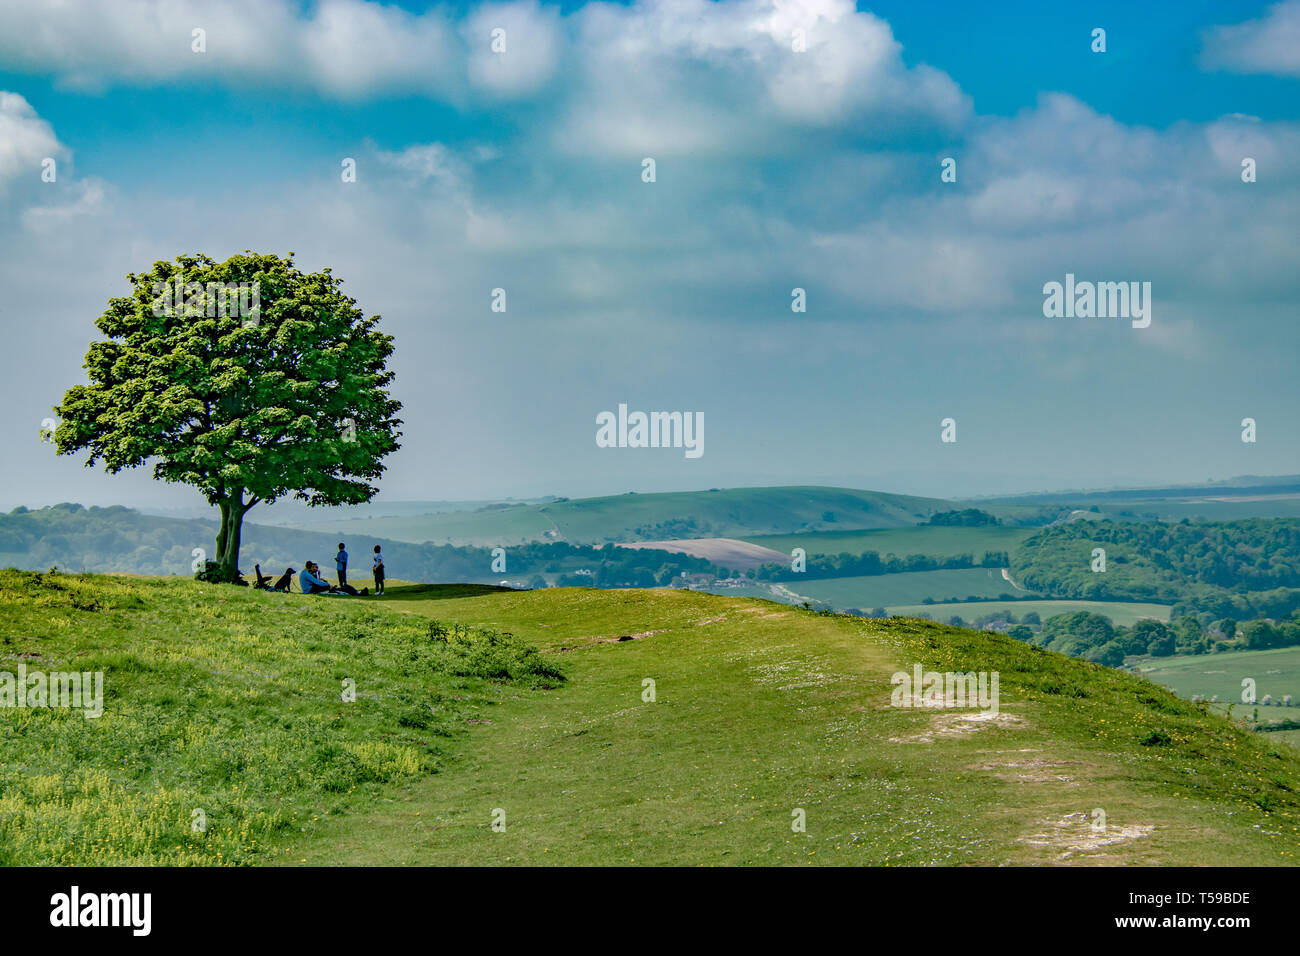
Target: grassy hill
[
  {"x": 471, "y": 700},
  {"x": 720, "y": 513},
  {"x": 224, "y": 701}
]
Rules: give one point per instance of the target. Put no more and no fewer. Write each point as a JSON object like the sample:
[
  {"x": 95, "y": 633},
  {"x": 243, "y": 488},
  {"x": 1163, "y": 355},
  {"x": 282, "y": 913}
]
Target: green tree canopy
[
  {"x": 248, "y": 379},
  {"x": 1075, "y": 633}
]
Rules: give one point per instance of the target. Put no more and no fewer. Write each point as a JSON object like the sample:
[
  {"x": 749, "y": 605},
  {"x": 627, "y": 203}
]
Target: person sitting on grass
[{"x": 310, "y": 583}]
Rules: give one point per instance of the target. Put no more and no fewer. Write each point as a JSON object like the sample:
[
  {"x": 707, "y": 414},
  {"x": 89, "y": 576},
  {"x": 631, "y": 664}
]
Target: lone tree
[{"x": 248, "y": 379}]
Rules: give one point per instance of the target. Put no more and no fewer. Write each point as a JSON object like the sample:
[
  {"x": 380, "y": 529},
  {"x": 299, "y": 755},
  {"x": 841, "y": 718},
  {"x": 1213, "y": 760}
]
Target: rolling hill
[
  {"x": 719, "y": 513},
  {"x": 1249, "y": 496},
  {"x": 595, "y": 727}
]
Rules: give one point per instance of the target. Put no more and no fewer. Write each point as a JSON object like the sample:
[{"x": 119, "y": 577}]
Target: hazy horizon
[{"x": 190, "y": 502}]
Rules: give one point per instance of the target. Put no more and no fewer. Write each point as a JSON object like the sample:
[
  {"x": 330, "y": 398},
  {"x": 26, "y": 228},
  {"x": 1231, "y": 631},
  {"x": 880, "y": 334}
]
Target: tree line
[
  {"x": 1242, "y": 570},
  {"x": 872, "y": 563}
]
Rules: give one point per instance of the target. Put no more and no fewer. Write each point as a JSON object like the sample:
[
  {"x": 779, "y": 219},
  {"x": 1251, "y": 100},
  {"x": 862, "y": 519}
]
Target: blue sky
[{"x": 776, "y": 169}]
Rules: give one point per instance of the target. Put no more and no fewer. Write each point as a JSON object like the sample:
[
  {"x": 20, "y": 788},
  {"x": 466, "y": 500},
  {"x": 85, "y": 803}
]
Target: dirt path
[{"x": 1006, "y": 576}]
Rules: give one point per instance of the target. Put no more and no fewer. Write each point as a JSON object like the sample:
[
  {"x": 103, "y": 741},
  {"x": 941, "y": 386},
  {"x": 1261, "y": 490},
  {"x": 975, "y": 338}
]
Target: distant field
[
  {"x": 723, "y": 513},
  {"x": 924, "y": 539},
  {"x": 1120, "y": 612},
  {"x": 1209, "y": 510},
  {"x": 882, "y": 590},
  {"x": 1275, "y": 672},
  {"x": 724, "y": 552}
]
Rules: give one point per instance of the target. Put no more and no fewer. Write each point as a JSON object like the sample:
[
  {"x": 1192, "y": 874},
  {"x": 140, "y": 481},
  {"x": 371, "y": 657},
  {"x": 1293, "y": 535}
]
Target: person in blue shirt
[
  {"x": 310, "y": 582},
  {"x": 341, "y": 564}
]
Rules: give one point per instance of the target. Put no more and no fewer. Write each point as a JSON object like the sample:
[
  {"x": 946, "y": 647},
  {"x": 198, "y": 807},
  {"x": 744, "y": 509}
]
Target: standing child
[
  {"x": 341, "y": 565},
  {"x": 379, "y": 571}
]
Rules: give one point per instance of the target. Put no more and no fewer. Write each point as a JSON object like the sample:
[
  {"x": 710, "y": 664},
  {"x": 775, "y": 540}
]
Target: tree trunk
[
  {"x": 233, "y": 534},
  {"x": 220, "y": 556},
  {"x": 232, "y": 518}
]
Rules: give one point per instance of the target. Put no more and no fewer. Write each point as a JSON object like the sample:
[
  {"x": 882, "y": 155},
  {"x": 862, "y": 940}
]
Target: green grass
[
  {"x": 1275, "y": 672},
  {"x": 1289, "y": 737},
  {"x": 226, "y": 699},
  {"x": 936, "y": 541},
  {"x": 728, "y": 512},
  {"x": 911, "y": 587},
  {"x": 1119, "y": 612},
  {"x": 762, "y": 709}
]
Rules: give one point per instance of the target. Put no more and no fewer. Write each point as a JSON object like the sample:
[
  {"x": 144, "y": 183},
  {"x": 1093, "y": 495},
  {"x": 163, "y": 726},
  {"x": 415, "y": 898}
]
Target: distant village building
[{"x": 694, "y": 581}]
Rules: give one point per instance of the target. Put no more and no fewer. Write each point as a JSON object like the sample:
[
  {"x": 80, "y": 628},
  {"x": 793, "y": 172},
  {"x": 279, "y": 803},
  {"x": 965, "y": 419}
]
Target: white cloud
[
  {"x": 1063, "y": 188},
  {"x": 25, "y": 140},
  {"x": 531, "y": 43},
  {"x": 1062, "y": 165},
  {"x": 88, "y": 197},
  {"x": 346, "y": 49},
  {"x": 672, "y": 77},
  {"x": 1269, "y": 44},
  {"x": 27, "y": 144},
  {"x": 434, "y": 162},
  {"x": 353, "y": 49}
]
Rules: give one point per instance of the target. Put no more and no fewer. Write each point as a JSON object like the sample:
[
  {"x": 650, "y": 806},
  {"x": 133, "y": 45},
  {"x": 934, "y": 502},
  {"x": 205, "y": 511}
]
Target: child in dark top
[{"x": 379, "y": 571}]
